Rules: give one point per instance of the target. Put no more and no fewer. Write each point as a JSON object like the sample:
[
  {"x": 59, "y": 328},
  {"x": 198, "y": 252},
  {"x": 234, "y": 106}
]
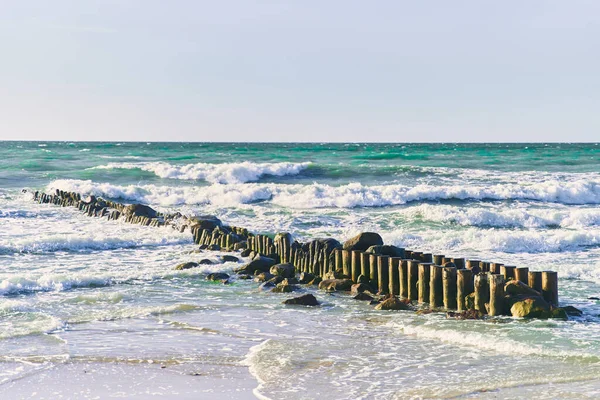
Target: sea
[{"x": 86, "y": 295}]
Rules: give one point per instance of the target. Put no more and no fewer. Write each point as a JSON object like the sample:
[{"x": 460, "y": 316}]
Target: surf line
[{"x": 390, "y": 277}]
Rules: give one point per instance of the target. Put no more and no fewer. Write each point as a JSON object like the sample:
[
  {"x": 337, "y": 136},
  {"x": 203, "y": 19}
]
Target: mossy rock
[{"x": 187, "y": 265}]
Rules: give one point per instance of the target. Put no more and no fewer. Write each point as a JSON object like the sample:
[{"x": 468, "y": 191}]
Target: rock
[
  {"x": 263, "y": 277},
  {"x": 203, "y": 247},
  {"x": 304, "y": 300},
  {"x": 470, "y": 301},
  {"x": 285, "y": 270},
  {"x": 277, "y": 279},
  {"x": 363, "y": 241},
  {"x": 283, "y": 287},
  {"x": 316, "y": 280},
  {"x": 139, "y": 210},
  {"x": 246, "y": 252},
  {"x": 306, "y": 277},
  {"x": 363, "y": 279},
  {"x": 337, "y": 274},
  {"x": 593, "y": 298},
  {"x": 336, "y": 285},
  {"x": 559, "y": 313},
  {"x": 228, "y": 258},
  {"x": 392, "y": 303},
  {"x": 244, "y": 277},
  {"x": 186, "y": 265},
  {"x": 359, "y": 288},
  {"x": 531, "y": 307},
  {"x": 213, "y": 247},
  {"x": 240, "y": 245},
  {"x": 374, "y": 302},
  {"x": 209, "y": 222},
  {"x": 386, "y": 250},
  {"x": 363, "y": 296},
  {"x": 518, "y": 288},
  {"x": 217, "y": 276},
  {"x": 469, "y": 314},
  {"x": 572, "y": 311},
  {"x": 206, "y": 261},
  {"x": 258, "y": 263}
]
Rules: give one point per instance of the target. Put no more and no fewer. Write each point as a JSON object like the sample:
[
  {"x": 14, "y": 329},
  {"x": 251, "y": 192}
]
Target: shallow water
[{"x": 79, "y": 290}]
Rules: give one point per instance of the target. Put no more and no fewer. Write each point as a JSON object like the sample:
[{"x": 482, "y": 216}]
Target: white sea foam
[
  {"x": 346, "y": 196},
  {"x": 215, "y": 173}
]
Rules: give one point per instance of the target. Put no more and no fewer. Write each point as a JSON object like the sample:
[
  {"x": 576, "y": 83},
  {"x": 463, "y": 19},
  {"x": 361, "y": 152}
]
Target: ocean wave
[
  {"x": 346, "y": 196},
  {"x": 215, "y": 173},
  {"x": 48, "y": 283}
]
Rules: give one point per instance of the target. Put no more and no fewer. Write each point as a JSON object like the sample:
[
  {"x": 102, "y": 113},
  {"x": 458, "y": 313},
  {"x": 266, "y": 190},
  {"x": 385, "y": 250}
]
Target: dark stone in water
[
  {"x": 363, "y": 241},
  {"x": 246, "y": 252},
  {"x": 139, "y": 210},
  {"x": 205, "y": 261},
  {"x": 392, "y": 303},
  {"x": 304, "y": 300},
  {"x": 217, "y": 276},
  {"x": 186, "y": 265},
  {"x": 336, "y": 285},
  {"x": 365, "y": 297},
  {"x": 284, "y": 270},
  {"x": 263, "y": 277},
  {"x": 203, "y": 246},
  {"x": 214, "y": 247},
  {"x": 306, "y": 277},
  {"x": 572, "y": 311},
  {"x": 593, "y": 298},
  {"x": 209, "y": 222},
  {"x": 258, "y": 263},
  {"x": 228, "y": 258},
  {"x": 266, "y": 286},
  {"x": 359, "y": 288}
]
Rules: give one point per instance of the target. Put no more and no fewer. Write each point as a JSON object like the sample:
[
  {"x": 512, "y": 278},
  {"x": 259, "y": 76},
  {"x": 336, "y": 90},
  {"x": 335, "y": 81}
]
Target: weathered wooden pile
[{"x": 429, "y": 280}]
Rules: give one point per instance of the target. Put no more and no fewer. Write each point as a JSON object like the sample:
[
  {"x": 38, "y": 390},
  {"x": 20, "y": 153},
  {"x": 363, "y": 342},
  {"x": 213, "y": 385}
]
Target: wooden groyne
[{"x": 390, "y": 276}]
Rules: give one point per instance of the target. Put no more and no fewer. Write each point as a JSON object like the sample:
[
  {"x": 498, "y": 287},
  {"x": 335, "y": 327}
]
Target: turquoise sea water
[{"x": 71, "y": 285}]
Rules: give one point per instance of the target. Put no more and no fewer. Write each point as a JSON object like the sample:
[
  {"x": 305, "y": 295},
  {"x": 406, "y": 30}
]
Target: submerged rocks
[
  {"x": 263, "y": 277},
  {"x": 187, "y": 265},
  {"x": 531, "y": 307},
  {"x": 392, "y": 303},
  {"x": 228, "y": 258},
  {"x": 209, "y": 222},
  {"x": 283, "y": 287},
  {"x": 336, "y": 285},
  {"x": 217, "y": 276},
  {"x": 284, "y": 270},
  {"x": 359, "y": 288},
  {"x": 304, "y": 300},
  {"x": 363, "y": 241},
  {"x": 206, "y": 261},
  {"x": 306, "y": 277},
  {"x": 363, "y": 296}
]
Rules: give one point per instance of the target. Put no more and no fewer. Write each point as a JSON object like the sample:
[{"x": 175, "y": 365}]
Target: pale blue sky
[{"x": 306, "y": 70}]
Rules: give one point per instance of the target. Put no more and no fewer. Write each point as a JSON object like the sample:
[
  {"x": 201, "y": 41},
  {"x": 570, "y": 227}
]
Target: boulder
[
  {"x": 186, "y": 265},
  {"x": 206, "y": 261},
  {"x": 363, "y": 279},
  {"x": 266, "y": 286},
  {"x": 217, "y": 276},
  {"x": 316, "y": 280},
  {"x": 246, "y": 252},
  {"x": 469, "y": 314},
  {"x": 392, "y": 303},
  {"x": 277, "y": 280},
  {"x": 263, "y": 277},
  {"x": 228, "y": 258},
  {"x": 306, "y": 277},
  {"x": 336, "y": 285},
  {"x": 258, "y": 263},
  {"x": 359, "y": 288},
  {"x": 240, "y": 245},
  {"x": 531, "y": 307},
  {"x": 386, "y": 250},
  {"x": 518, "y": 288},
  {"x": 363, "y": 241},
  {"x": 209, "y": 222},
  {"x": 213, "y": 247},
  {"x": 139, "y": 210},
  {"x": 285, "y": 270},
  {"x": 363, "y": 296},
  {"x": 304, "y": 300},
  {"x": 470, "y": 301},
  {"x": 244, "y": 277},
  {"x": 283, "y": 287},
  {"x": 572, "y": 311}
]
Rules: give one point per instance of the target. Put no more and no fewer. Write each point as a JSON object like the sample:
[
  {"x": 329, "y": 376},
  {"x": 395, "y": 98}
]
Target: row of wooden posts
[{"x": 432, "y": 279}]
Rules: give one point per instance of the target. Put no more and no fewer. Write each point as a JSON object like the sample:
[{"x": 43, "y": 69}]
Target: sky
[{"x": 304, "y": 70}]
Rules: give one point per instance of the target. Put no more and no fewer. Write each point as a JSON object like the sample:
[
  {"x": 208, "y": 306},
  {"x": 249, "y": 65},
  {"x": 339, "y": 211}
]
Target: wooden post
[
  {"x": 373, "y": 270},
  {"x": 474, "y": 265},
  {"x": 383, "y": 270},
  {"x": 496, "y": 304},
  {"x": 464, "y": 287},
  {"x": 485, "y": 266},
  {"x": 459, "y": 262},
  {"x": 355, "y": 265},
  {"x": 346, "y": 262},
  {"x": 438, "y": 259},
  {"x": 403, "y": 277},
  {"x": 449, "y": 287},
  {"x": 338, "y": 260},
  {"x": 408, "y": 254},
  {"x": 365, "y": 269},
  {"x": 535, "y": 280},
  {"x": 427, "y": 258},
  {"x": 522, "y": 274},
  {"x": 482, "y": 291},
  {"x": 413, "y": 278},
  {"x": 550, "y": 287},
  {"x": 495, "y": 268},
  {"x": 417, "y": 255},
  {"x": 436, "y": 289},
  {"x": 508, "y": 271},
  {"x": 395, "y": 275},
  {"x": 424, "y": 278}
]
